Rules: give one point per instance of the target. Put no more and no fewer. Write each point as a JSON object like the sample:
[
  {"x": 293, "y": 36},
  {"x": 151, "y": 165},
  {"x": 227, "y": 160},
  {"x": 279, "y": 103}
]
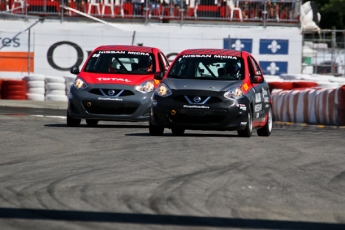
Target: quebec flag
[
  {"x": 239, "y": 44},
  {"x": 274, "y": 46},
  {"x": 273, "y": 67}
]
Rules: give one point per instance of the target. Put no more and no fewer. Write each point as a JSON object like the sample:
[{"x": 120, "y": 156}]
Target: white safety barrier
[
  {"x": 55, "y": 89},
  {"x": 313, "y": 106},
  {"x": 35, "y": 87}
]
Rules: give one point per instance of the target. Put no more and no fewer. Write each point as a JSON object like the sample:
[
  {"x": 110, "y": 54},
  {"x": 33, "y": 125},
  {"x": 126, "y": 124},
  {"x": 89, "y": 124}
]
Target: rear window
[
  {"x": 121, "y": 62},
  {"x": 208, "y": 67}
]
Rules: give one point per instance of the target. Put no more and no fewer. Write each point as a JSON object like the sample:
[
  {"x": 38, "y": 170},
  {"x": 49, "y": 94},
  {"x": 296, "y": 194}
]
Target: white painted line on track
[{"x": 60, "y": 117}]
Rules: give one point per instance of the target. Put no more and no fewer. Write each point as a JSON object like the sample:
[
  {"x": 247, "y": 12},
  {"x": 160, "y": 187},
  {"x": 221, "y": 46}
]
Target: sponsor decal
[
  {"x": 196, "y": 107},
  {"x": 112, "y": 79},
  {"x": 197, "y": 56},
  {"x": 109, "y": 99},
  {"x": 264, "y": 92},
  {"x": 138, "y": 53},
  {"x": 258, "y": 107},
  {"x": 258, "y": 97},
  {"x": 266, "y": 99},
  {"x": 122, "y": 52},
  {"x": 245, "y": 86},
  {"x": 242, "y": 107},
  {"x": 225, "y": 57}
]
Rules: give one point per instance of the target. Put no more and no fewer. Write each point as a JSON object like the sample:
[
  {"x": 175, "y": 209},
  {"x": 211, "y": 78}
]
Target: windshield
[
  {"x": 210, "y": 67},
  {"x": 121, "y": 62}
]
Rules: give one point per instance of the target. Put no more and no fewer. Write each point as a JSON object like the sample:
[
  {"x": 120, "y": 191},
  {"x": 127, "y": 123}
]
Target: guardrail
[{"x": 287, "y": 11}]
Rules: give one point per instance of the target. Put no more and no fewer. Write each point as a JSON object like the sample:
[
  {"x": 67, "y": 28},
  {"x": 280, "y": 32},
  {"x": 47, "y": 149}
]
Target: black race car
[{"x": 212, "y": 89}]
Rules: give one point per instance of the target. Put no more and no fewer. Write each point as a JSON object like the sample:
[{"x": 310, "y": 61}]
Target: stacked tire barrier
[
  {"x": 312, "y": 106},
  {"x": 55, "y": 89},
  {"x": 35, "y": 87},
  {"x": 13, "y": 89}
]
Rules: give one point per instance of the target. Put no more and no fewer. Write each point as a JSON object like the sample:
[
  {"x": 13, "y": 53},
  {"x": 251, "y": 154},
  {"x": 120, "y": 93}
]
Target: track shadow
[
  {"x": 169, "y": 134},
  {"x": 100, "y": 126},
  {"x": 172, "y": 220}
]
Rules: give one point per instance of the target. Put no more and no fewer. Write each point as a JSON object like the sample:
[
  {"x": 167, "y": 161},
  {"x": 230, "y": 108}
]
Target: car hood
[
  {"x": 211, "y": 85},
  {"x": 123, "y": 79}
]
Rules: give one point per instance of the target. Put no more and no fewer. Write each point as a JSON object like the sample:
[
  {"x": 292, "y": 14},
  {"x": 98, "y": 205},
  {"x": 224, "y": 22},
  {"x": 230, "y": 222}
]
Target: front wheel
[
  {"x": 267, "y": 129},
  {"x": 155, "y": 130},
  {"x": 91, "y": 122},
  {"x": 247, "y": 132},
  {"x": 71, "y": 122}
]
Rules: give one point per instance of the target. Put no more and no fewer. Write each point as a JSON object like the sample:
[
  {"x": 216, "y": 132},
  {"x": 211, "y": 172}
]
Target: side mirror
[
  {"x": 258, "y": 79},
  {"x": 158, "y": 76},
  {"x": 75, "y": 70}
]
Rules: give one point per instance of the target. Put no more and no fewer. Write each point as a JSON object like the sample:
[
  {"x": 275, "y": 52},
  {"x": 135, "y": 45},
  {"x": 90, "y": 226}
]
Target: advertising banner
[{"x": 55, "y": 46}]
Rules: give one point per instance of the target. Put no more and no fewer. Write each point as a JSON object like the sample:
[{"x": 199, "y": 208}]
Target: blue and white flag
[
  {"x": 274, "y": 46},
  {"x": 239, "y": 44},
  {"x": 274, "y": 67}
]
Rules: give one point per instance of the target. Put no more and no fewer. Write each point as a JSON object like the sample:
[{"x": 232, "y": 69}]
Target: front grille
[
  {"x": 207, "y": 119},
  {"x": 110, "y": 107},
  {"x": 118, "y": 93},
  {"x": 182, "y": 98},
  {"x": 197, "y": 116}
]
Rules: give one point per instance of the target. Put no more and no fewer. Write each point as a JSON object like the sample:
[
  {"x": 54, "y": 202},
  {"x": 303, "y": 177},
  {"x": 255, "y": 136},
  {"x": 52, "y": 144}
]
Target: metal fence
[
  {"x": 324, "y": 53},
  {"x": 197, "y": 10}
]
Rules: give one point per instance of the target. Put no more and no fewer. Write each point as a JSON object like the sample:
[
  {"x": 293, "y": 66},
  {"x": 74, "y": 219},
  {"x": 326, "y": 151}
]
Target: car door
[{"x": 261, "y": 93}]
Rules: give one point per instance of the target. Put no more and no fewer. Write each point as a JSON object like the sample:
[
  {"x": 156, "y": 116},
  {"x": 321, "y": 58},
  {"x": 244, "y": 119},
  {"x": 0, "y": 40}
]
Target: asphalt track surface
[{"x": 116, "y": 176}]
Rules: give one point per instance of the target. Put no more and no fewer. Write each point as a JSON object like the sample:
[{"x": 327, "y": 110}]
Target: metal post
[
  {"x": 344, "y": 52},
  {"x": 265, "y": 14},
  {"x": 62, "y": 11},
  {"x": 181, "y": 12},
  {"x": 133, "y": 37},
  {"x": 229, "y": 42},
  {"x": 332, "y": 57},
  {"x": 29, "y": 56}
]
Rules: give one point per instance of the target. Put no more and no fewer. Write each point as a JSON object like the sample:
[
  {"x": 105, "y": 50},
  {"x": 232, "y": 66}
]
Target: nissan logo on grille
[
  {"x": 111, "y": 92},
  {"x": 197, "y": 99}
]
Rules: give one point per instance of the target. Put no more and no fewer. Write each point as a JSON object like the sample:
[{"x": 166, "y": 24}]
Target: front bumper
[
  {"x": 224, "y": 115},
  {"x": 93, "y": 103}
]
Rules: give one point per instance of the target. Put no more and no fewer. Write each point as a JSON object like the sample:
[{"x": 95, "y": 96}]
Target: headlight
[
  {"x": 163, "y": 90},
  {"x": 234, "y": 93},
  {"x": 79, "y": 83},
  {"x": 146, "y": 87}
]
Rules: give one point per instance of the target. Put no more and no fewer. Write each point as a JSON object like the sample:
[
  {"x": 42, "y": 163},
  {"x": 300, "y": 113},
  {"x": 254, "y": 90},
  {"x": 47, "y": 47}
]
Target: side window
[
  {"x": 251, "y": 68},
  {"x": 164, "y": 60},
  {"x": 256, "y": 67}
]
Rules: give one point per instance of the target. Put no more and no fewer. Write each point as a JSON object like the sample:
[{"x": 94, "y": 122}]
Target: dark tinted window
[
  {"x": 121, "y": 62},
  {"x": 210, "y": 67}
]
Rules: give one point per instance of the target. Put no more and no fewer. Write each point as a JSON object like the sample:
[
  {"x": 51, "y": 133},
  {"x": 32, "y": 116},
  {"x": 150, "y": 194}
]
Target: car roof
[
  {"x": 127, "y": 48},
  {"x": 213, "y": 51}
]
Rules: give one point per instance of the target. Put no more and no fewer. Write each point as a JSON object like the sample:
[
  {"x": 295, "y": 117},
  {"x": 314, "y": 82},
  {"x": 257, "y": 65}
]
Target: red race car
[{"x": 115, "y": 83}]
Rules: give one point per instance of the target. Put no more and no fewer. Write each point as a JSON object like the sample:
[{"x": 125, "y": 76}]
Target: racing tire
[
  {"x": 267, "y": 129},
  {"x": 91, "y": 122},
  {"x": 177, "y": 131},
  {"x": 247, "y": 132},
  {"x": 155, "y": 130},
  {"x": 71, "y": 122}
]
